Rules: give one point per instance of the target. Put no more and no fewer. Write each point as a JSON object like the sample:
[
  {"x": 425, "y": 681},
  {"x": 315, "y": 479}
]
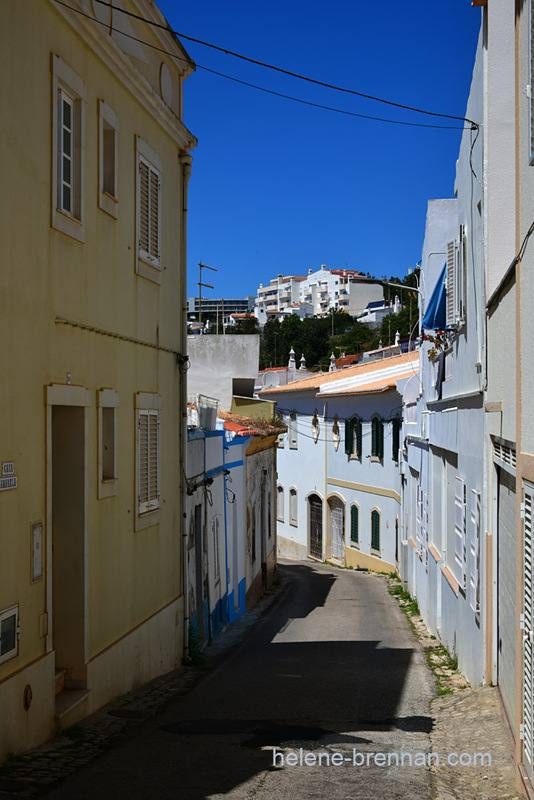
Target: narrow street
[{"x": 332, "y": 668}]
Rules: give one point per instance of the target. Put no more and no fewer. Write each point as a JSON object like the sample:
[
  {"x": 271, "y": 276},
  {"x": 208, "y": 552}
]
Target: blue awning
[{"x": 436, "y": 312}]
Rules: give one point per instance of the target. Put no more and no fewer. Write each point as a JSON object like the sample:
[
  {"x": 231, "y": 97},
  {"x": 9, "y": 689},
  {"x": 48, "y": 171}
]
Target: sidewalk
[{"x": 33, "y": 772}]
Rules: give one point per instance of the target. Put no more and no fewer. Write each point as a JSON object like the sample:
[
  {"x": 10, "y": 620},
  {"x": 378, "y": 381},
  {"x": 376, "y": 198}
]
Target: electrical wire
[
  {"x": 225, "y": 50},
  {"x": 264, "y": 89}
]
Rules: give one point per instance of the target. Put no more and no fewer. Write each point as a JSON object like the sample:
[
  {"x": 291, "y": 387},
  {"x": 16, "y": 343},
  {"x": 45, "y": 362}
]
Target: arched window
[
  {"x": 354, "y": 524},
  {"x": 280, "y": 504},
  {"x": 353, "y": 437},
  {"x": 377, "y": 437},
  {"x": 375, "y": 530},
  {"x": 293, "y": 506}
]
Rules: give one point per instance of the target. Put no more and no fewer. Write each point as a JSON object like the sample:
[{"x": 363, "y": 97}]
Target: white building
[
  {"x": 444, "y": 491},
  {"x": 317, "y": 293},
  {"x": 338, "y": 479}
]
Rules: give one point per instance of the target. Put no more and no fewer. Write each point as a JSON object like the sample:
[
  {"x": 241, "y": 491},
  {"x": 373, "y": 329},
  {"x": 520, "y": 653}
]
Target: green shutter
[
  {"x": 354, "y": 533},
  {"x": 380, "y": 438},
  {"x": 348, "y": 436},
  {"x": 359, "y": 438},
  {"x": 375, "y": 530},
  {"x": 395, "y": 439}
]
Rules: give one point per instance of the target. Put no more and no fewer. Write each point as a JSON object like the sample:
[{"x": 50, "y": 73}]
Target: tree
[{"x": 248, "y": 324}]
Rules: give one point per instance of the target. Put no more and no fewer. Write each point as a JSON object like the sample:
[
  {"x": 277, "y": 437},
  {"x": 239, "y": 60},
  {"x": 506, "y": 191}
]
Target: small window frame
[
  {"x": 108, "y": 149},
  {"x": 107, "y": 403},
  {"x": 13, "y": 652}
]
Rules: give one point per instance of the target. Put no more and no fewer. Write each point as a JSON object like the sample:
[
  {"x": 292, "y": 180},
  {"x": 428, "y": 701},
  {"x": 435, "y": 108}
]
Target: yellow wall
[{"x": 45, "y": 274}]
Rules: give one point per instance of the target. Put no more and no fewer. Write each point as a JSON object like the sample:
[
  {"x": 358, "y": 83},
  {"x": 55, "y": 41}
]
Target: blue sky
[{"x": 280, "y": 187}]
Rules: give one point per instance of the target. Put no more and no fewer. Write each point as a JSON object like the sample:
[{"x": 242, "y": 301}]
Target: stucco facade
[
  {"x": 338, "y": 478},
  {"x": 91, "y": 594}
]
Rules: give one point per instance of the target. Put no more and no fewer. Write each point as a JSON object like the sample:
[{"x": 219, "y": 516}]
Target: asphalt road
[{"x": 318, "y": 700}]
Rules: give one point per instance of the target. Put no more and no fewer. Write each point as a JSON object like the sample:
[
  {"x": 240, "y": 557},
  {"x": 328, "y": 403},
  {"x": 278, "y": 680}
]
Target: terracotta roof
[
  {"x": 246, "y": 426},
  {"x": 358, "y": 371}
]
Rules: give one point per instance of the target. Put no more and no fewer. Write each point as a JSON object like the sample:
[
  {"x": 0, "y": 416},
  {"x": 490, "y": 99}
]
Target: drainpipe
[{"x": 186, "y": 160}]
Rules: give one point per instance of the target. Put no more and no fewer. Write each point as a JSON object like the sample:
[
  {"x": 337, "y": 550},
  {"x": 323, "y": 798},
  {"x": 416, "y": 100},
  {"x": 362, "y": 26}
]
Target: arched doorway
[
  {"x": 315, "y": 526},
  {"x": 337, "y": 528}
]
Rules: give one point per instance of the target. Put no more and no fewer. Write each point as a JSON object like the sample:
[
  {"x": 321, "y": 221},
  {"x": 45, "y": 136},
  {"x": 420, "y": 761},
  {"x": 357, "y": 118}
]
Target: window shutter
[
  {"x": 474, "y": 549},
  {"x": 374, "y": 437},
  {"x": 148, "y": 490},
  {"x": 354, "y": 533},
  {"x": 395, "y": 435},
  {"x": 419, "y": 519},
  {"x": 348, "y": 436},
  {"x": 359, "y": 438},
  {"x": 144, "y": 205},
  {"x": 149, "y": 211},
  {"x": 375, "y": 530},
  {"x": 528, "y": 616},
  {"x": 459, "y": 530},
  {"x": 380, "y": 438},
  {"x": 451, "y": 281},
  {"x": 154, "y": 214}
]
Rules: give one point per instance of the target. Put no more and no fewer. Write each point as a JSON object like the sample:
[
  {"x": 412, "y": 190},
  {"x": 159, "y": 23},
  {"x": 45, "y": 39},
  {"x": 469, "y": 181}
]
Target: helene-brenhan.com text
[{"x": 336, "y": 758}]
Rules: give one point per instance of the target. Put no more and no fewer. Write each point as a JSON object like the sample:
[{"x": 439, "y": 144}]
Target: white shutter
[
  {"x": 424, "y": 531},
  {"x": 474, "y": 550},
  {"x": 451, "y": 264},
  {"x": 419, "y": 518},
  {"x": 149, "y": 191},
  {"x": 459, "y": 530},
  {"x": 147, "y": 461},
  {"x": 528, "y": 625}
]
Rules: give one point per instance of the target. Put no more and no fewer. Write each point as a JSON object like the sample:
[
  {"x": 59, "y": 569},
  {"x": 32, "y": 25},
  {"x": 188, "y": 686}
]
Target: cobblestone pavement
[{"x": 466, "y": 721}]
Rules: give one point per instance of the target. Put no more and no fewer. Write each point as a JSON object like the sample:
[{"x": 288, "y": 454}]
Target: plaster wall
[{"x": 217, "y": 360}]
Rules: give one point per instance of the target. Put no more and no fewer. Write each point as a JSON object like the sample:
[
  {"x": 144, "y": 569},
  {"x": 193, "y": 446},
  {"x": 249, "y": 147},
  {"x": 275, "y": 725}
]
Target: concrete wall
[{"x": 217, "y": 360}]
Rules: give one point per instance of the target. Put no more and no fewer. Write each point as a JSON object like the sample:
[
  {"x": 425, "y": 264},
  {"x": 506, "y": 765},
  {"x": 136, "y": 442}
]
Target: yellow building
[{"x": 95, "y": 164}]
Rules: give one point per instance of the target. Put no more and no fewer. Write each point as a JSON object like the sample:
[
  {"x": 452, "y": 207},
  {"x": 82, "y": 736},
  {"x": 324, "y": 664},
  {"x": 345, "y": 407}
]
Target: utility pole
[{"x": 202, "y": 266}]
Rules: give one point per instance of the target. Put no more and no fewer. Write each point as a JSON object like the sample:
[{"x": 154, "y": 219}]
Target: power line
[{"x": 306, "y": 78}]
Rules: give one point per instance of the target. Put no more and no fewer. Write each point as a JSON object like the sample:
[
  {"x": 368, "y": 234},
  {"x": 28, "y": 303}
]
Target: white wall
[{"x": 217, "y": 360}]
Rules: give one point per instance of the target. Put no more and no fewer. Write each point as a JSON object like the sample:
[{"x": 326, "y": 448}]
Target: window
[
  {"x": 108, "y": 402},
  {"x": 336, "y": 435},
  {"x": 474, "y": 551},
  {"x": 353, "y": 437},
  {"x": 377, "y": 438},
  {"x": 149, "y": 168},
  {"x": 456, "y": 280},
  {"x": 459, "y": 530},
  {"x": 375, "y": 530},
  {"x": 293, "y": 432},
  {"x": 315, "y": 427},
  {"x": 68, "y": 143},
  {"x": 108, "y": 143},
  {"x": 148, "y": 460},
  {"x": 354, "y": 525},
  {"x": 293, "y": 506},
  {"x": 395, "y": 438},
  {"x": 9, "y": 626},
  {"x": 280, "y": 504}
]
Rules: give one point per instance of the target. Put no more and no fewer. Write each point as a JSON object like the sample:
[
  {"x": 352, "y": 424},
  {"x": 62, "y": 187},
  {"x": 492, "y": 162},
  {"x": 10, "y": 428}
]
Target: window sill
[
  {"x": 108, "y": 487},
  {"x": 148, "y": 271},
  {"x": 109, "y": 204},
  {"x": 293, "y": 523},
  {"x": 376, "y": 459},
  {"x": 147, "y": 520},
  {"x": 355, "y": 545},
  {"x": 75, "y": 228},
  {"x": 451, "y": 580},
  {"x": 435, "y": 553}
]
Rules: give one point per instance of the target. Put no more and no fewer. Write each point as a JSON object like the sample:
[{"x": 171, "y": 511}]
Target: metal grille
[
  {"x": 337, "y": 518},
  {"x": 316, "y": 527},
  {"x": 506, "y": 454}
]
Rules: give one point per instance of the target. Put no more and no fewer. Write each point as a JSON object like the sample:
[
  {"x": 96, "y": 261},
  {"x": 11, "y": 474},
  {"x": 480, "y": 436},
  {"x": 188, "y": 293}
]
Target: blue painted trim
[
  {"x": 218, "y": 470},
  {"x": 238, "y": 440},
  {"x": 210, "y": 434}
]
